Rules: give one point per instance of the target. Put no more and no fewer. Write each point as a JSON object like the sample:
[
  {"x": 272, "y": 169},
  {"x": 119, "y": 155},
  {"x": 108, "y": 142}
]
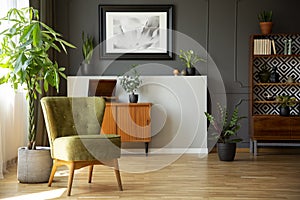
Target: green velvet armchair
[{"x": 73, "y": 125}]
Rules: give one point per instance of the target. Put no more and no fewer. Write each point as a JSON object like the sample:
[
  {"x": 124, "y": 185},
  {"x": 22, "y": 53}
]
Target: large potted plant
[
  {"x": 225, "y": 131},
  {"x": 285, "y": 101},
  {"x": 130, "y": 83},
  {"x": 190, "y": 58},
  {"x": 87, "y": 52},
  {"x": 24, "y": 55},
  {"x": 265, "y": 21}
]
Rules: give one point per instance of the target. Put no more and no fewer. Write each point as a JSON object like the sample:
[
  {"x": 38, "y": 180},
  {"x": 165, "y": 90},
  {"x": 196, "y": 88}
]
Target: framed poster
[{"x": 136, "y": 32}]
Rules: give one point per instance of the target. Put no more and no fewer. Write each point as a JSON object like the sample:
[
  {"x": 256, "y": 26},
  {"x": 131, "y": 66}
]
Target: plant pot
[
  {"x": 133, "y": 98},
  {"x": 34, "y": 166},
  {"x": 284, "y": 111},
  {"x": 226, "y": 151},
  {"x": 266, "y": 27},
  {"x": 85, "y": 69},
  {"x": 190, "y": 71}
]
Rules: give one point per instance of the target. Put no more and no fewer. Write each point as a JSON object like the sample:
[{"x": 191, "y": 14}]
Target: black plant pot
[
  {"x": 133, "y": 98},
  {"x": 226, "y": 151},
  {"x": 284, "y": 111},
  {"x": 191, "y": 71}
]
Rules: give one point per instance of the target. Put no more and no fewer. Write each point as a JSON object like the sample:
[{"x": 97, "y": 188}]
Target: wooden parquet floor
[{"x": 267, "y": 176}]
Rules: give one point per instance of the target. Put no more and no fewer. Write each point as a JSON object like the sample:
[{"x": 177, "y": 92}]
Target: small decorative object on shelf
[
  {"x": 130, "y": 83},
  {"x": 265, "y": 22},
  {"x": 290, "y": 47},
  {"x": 264, "y": 74},
  {"x": 285, "y": 101},
  {"x": 176, "y": 72},
  {"x": 285, "y": 47},
  {"x": 274, "y": 77},
  {"x": 290, "y": 79},
  {"x": 183, "y": 72},
  {"x": 190, "y": 58},
  {"x": 269, "y": 97}
]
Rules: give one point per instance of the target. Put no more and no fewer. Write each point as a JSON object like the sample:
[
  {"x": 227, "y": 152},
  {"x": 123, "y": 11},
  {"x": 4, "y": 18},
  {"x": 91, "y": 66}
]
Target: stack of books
[{"x": 264, "y": 47}]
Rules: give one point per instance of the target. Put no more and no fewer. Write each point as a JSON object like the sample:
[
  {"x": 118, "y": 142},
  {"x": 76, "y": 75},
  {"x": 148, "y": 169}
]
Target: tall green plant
[
  {"x": 226, "y": 127},
  {"x": 24, "y": 55},
  {"x": 87, "y": 48}
]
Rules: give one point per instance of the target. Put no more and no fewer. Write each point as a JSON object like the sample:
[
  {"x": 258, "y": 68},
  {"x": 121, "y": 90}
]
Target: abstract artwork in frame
[{"x": 136, "y": 32}]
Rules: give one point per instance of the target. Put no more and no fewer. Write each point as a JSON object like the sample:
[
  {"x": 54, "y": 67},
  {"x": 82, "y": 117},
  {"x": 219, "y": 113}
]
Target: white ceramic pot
[{"x": 34, "y": 166}]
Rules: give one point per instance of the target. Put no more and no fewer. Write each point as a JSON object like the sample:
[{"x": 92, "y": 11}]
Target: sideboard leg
[
  {"x": 146, "y": 148},
  {"x": 255, "y": 147},
  {"x": 251, "y": 146}
]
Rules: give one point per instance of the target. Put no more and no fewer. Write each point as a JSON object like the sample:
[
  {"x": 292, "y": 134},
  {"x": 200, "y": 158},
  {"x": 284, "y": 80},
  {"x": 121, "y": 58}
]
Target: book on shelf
[{"x": 264, "y": 47}]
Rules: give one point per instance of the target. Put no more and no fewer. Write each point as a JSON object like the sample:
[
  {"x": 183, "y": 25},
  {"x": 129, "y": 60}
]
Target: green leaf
[
  {"x": 37, "y": 35},
  {"x": 46, "y": 85},
  {"x": 3, "y": 79}
]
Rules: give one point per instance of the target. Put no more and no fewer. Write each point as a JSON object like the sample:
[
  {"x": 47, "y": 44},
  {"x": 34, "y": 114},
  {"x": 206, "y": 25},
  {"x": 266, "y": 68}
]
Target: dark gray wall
[{"x": 222, "y": 27}]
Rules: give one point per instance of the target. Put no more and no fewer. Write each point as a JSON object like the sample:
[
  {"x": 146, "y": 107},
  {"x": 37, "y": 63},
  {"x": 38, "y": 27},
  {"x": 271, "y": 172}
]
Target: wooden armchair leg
[
  {"x": 117, "y": 173},
  {"x": 54, "y": 167},
  {"x": 71, "y": 174},
  {"x": 91, "y": 167}
]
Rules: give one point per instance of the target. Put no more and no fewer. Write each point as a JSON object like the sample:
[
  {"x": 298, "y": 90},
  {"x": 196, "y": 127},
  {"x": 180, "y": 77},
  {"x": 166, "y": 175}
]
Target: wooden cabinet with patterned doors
[{"x": 274, "y": 71}]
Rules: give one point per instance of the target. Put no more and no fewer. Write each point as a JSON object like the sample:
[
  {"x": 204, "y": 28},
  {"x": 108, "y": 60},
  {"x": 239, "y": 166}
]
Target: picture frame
[{"x": 136, "y": 32}]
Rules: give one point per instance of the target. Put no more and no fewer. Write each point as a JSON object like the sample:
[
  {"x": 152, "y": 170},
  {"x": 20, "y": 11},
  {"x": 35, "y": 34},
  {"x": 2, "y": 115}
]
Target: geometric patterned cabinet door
[{"x": 265, "y": 122}]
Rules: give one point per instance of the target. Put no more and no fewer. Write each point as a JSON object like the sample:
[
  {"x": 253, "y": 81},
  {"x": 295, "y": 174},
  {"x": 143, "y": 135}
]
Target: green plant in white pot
[{"x": 24, "y": 55}]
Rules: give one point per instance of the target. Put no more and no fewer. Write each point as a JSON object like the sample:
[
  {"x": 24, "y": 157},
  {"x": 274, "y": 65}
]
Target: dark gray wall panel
[
  {"x": 189, "y": 18},
  {"x": 222, "y": 27}
]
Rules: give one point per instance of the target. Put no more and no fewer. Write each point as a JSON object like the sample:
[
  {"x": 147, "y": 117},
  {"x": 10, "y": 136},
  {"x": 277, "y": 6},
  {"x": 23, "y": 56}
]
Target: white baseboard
[{"x": 166, "y": 151}]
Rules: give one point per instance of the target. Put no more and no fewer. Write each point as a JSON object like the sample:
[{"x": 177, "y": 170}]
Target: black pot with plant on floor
[{"x": 225, "y": 132}]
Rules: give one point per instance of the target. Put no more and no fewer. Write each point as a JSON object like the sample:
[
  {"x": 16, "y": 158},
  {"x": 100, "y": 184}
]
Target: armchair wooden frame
[{"x": 73, "y": 165}]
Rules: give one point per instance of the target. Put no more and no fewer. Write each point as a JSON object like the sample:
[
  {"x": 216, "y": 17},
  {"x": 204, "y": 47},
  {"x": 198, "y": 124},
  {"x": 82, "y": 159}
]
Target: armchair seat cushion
[{"x": 87, "y": 147}]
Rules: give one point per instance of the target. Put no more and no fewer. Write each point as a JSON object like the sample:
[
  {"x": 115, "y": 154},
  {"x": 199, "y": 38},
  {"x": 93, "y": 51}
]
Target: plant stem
[{"x": 31, "y": 128}]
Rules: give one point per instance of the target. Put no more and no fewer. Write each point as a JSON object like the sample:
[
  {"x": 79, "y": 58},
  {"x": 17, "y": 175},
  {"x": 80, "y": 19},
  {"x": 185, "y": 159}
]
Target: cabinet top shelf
[
  {"x": 269, "y": 102},
  {"x": 276, "y": 55},
  {"x": 278, "y": 84},
  {"x": 274, "y": 34}
]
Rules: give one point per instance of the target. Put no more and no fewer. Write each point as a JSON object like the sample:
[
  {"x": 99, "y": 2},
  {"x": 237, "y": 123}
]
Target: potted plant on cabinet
[
  {"x": 265, "y": 21},
  {"x": 285, "y": 102},
  {"x": 130, "y": 83},
  {"x": 87, "y": 52},
  {"x": 190, "y": 59},
  {"x": 225, "y": 131},
  {"x": 24, "y": 55}
]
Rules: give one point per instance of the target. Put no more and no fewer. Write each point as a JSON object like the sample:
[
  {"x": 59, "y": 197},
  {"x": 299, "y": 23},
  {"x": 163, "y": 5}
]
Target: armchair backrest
[{"x": 67, "y": 116}]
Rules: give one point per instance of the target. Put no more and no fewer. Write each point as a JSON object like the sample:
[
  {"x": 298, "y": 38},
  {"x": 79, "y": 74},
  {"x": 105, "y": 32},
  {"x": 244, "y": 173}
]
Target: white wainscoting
[{"x": 177, "y": 118}]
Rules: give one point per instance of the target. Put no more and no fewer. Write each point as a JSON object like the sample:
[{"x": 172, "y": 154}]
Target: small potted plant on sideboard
[{"x": 130, "y": 83}]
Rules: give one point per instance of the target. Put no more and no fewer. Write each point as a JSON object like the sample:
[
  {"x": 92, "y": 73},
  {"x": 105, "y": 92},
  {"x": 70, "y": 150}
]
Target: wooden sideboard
[{"x": 132, "y": 121}]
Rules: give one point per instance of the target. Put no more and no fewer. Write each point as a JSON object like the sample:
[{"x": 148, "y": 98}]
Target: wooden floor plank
[{"x": 267, "y": 176}]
